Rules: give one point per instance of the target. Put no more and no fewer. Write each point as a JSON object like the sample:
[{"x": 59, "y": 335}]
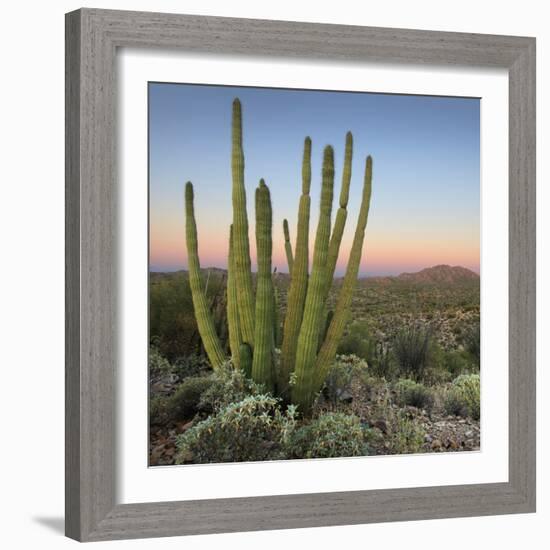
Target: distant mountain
[
  {"x": 440, "y": 274},
  {"x": 445, "y": 274}
]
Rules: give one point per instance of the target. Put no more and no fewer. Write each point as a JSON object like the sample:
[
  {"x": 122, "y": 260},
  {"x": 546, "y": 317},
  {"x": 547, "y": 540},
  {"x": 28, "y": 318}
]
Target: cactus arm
[
  {"x": 245, "y": 359},
  {"x": 288, "y": 246},
  {"x": 262, "y": 362},
  {"x": 299, "y": 279},
  {"x": 341, "y": 215},
  {"x": 276, "y": 316},
  {"x": 241, "y": 248},
  {"x": 232, "y": 308},
  {"x": 308, "y": 338},
  {"x": 203, "y": 315},
  {"x": 336, "y": 329}
]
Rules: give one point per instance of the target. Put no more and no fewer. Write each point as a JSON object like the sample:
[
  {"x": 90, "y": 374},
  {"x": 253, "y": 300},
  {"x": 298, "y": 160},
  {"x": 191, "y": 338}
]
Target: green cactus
[
  {"x": 245, "y": 359},
  {"x": 310, "y": 336},
  {"x": 241, "y": 248},
  {"x": 203, "y": 316},
  {"x": 288, "y": 246},
  {"x": 341, "y": 216},
  {"x": 299, "y": 279},
  {"x": 313, "y": 318},
  {"x": 276, "y": 316},
  {"x": 336, "y": 329},
  {"x": 232, "y": 307},
  {"x": 262, "y": 362}
]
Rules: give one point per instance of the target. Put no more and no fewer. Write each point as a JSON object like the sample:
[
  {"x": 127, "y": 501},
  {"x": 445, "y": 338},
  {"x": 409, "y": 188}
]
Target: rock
[
  {"x": 436, "y": 444},
  {"x": 428, "y": 438}
]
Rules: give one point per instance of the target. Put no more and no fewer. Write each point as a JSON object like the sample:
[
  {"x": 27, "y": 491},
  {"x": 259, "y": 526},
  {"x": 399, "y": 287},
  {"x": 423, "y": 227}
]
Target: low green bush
[
  {"x": 331, "y": 435},
  {"x": 228, "y": 385},
  {"x": 252, "y": 429},
  {"x": 344, "y": 371},
  {"x": 185, "y": 402},
  {"x": 405, "y": 436},
  {"x": 458, "y": 362},
  {"x": 414, "y": 394},
  {"x": 158, "y": 410},
  {"x": 191, "y": 365},
  {"x": 471, "y": 340},
  {"x": 157, "y": 363},
  {"x": 357, "y": 341},
  {"x": 463, "y": 397}
]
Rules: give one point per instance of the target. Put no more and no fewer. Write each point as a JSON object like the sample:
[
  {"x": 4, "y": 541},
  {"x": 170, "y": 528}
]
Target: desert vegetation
[{"x": 250, "y": 366}]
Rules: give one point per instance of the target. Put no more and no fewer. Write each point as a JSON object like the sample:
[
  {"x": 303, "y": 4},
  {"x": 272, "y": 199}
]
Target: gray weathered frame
[{"x": 92, "y": 38}]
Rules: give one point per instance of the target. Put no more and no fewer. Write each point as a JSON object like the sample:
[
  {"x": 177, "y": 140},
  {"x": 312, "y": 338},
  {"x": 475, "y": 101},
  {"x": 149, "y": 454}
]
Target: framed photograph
[{"x": 300, "y": 275}]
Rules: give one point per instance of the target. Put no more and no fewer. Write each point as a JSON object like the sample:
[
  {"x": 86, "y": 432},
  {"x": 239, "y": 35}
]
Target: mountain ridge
[{"x": 441, "y": 273}]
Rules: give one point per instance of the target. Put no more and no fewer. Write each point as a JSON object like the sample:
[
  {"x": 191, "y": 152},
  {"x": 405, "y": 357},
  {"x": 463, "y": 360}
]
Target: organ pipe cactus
[
  {"x": 241, "y": 248},
  {"x": 299, "y": 278},
  {"x": 336, "y": 328},
  {"x": 310, "y": 336},
  {"x": 235, "y": 339},
  {"x": 203, "y": 316},
  {"x": 262, "y": 362},
  {"x": 341, "y": 215},
  {"x": 288, "y": 246},
  {"x": 313, "y": 317}
]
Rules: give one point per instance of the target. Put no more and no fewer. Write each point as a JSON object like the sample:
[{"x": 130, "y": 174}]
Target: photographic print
[{"x": 314, "y": 274}]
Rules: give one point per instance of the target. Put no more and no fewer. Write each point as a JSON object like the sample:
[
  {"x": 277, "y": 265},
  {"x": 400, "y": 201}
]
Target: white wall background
[{"x": 31, "y": 296}]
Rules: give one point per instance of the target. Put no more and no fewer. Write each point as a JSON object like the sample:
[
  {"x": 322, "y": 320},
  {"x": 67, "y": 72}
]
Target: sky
[{"x": 425, "y": 205}]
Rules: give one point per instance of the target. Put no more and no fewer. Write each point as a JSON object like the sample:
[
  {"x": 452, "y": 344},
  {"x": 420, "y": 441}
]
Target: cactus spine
[
  {"x": 232, "y": 308},
  {"x": 313, "y": 318},
  {"x": 334, "y": 334},
  {"x": 241, "y": 249},
  {"x": 299, "y": 278},
  {"x": 203, "y": 316},
  {"x": 262, "y": 362},
  {"x": 288, "y": 246}
]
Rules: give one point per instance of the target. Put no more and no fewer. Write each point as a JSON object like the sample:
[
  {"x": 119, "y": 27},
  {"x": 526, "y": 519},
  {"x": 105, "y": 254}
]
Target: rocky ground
[{"x": 443, "y": 433}]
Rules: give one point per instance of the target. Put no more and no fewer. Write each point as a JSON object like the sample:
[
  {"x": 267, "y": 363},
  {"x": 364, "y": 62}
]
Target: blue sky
[{"x": 426, "y": 165}]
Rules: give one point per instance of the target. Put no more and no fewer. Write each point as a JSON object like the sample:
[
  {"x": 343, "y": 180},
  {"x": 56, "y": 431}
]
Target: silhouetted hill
[{"x": 440, "y": 274}]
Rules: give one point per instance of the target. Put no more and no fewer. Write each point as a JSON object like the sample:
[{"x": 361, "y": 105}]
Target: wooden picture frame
[{"x": 92, "y": 39}]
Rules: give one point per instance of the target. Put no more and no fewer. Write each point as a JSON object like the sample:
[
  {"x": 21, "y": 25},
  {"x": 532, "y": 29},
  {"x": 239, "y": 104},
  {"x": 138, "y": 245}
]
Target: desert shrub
[
  {"x": 414, "y": 394},
  {"x": 250, "y": 430},
  {"x": 463, "y": 397},
  {"x": 471, "y": 340},
  {"x": 374, "y": 388},
  {"x": 357, "y": 341},
  {"x": 344, "y": 371},
  {"x": 329, "y": 436},
  {"x": 186, "y": 400},
  {"x": 157, "y": 363},
  {"x": 191, "y": 365},
  {"x": 457, "y": 362},
  {"x": 411, "y": 347},
  {"x": 158, "y": 410},
  {"x": 383, "y": 363},
  {"x": 405, "y": 436},
  {"x": 228, "y": 385}
]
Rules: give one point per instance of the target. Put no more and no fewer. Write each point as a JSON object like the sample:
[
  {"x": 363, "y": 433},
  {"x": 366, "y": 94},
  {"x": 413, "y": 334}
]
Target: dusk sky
[{"x": 425, "y": 203}]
